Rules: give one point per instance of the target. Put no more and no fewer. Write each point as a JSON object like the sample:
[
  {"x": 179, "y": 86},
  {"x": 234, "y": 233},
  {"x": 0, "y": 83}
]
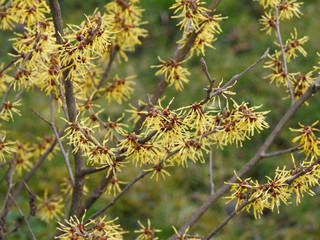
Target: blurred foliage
[{"x": 173, "y": 201}]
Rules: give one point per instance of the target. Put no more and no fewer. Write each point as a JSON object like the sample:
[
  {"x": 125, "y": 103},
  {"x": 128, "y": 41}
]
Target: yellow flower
[
  {"x": 9, "y": 109},
  {"x": 113, "y": 186},
  {"x": 288, "y": 9},
  {"x": 294, "y": 44},
  {"x": 120, "y": 89},
  {"x": 146, "y": 233},
  {"x": 5, "y": 148},
  {"x": 268, "y": 21},
  {"x": 94, "y": 229},
  {"x": 268, "y": 3},
  {"x": 191, "y": 11},
  {"x": 123, "y": 18},
  {"x": 158, "y": 170},
  {"x": 50, "y": 208},
  {"x": 308, "y": 139},
  {"x": 301, "y": 83},
  {"x": 174, "y": 73}
]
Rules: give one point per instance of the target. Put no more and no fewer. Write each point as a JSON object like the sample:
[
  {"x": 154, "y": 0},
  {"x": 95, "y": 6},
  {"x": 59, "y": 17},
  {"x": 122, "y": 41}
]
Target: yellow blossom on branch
[
  {"x": 173, "y": 72},
  {"x": 307, "y": 138},
  {"x": 146, "y": 233},
  {"x": 99, "y": 228}
]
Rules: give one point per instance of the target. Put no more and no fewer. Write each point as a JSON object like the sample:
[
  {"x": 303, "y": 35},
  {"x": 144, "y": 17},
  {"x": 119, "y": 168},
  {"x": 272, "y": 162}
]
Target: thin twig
[
  {"x": 283, "y": 56},
  {"x": 5, "y": 97},
  {"x": 10, "y": 186},
  {"x": 23, "y": 217},
  {"x": 124, "y": 190},
  {"x": 18, "y": 94},
  {"x": 236, "y": 77},
  {"x": 281, "y": 152},
  {"x": 113, "y": 53},
  {"x": 39, "y": 116},
  {"x": 210, "y": 171},
  {"x": 63, "y": 100},
  {"x": 65, "y": 156},
  {"x": 227, "y": 219},
  {"x": 9, "y": 64}
]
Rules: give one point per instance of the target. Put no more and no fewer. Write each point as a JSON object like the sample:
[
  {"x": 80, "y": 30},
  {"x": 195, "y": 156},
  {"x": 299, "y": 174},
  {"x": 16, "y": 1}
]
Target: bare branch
[
  {"x": 39, "y": 116},
  {"x": 236, "y": 77},
  {"x": 77, "y": 192},
  {"x": 283, "y": 55},
  {"x": 9, "y": 64},
  {"x": 210, "y": 171},
  {"x": 227, "y": 219},
  {"x": 281, "y": 152},
  {"x": 64, "y": 154},
  {"x": 23, "y": 217}
]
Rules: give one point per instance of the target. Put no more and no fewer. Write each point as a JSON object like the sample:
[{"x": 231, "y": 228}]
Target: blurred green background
[{"x": 173, "y": 201}]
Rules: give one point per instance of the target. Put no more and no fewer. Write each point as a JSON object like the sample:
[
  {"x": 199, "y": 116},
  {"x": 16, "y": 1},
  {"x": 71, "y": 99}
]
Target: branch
[
  {"x": 210, "y": 172},
  {"x": 6, "y": 204},
  {"x": 254, "y": 160},
  {"x": 281, "y": 152},
  {"x": 105, "y": 74},
  {"x": 303, "y": 171},
  {"x": 283, "y": 55},
  {"x": 9, "y": 64},
  {"x": 39, "y": 116},
  {"x": 77, "y": 192},
  {"x": 227, "y": 219},
  {"x": 124, "y": 190},
  {"x": 236, "y": 77},
  {"x": 64, "y": 154},
  {"x": 23, "y": 217}
]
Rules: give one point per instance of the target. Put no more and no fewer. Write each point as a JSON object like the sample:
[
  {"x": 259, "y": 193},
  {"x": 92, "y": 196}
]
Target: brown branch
[
  {"x": 77, "y": 192},
  {"x": 303, "y": 171},
  {"x": 236, "y": 77},
  {"x": 124, "y": 190},
  {"x": 283, "y": 55},
  {"x": 254, "y": 160},
  {"x": 227, "y": 219},
  {"x": 23, "y": 217},
  {"x": 113, "y": 53},
  {"x": 64, "y": 154},
  {"x": 9, "y": 64},
  {"x": 281, "y": 152}
]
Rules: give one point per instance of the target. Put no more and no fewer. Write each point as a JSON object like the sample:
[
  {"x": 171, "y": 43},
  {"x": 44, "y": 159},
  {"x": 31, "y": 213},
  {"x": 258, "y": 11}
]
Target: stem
[
  {"x": 65, "y": 156},
  {"x": 283, "y": 56},
  {"x": 23, "y": 217},
  {"x": 77, "y": 192}
]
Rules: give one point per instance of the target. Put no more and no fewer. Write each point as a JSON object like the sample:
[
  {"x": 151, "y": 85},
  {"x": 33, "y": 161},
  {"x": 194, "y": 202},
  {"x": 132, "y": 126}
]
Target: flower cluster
[
  {"x": 174, "y": 73},
  {"x": 119, "y": 89},
  {"x": 196, "y": 22},
  {"x": 124, "y": 19},
  {"x": 281, "y": 189},
  {"x": 146, "y": 233},
  {"x": 307, "y": 139},
  {"x": 275, "y": 11},
  {"x": 50, "y": 208},
  {"x": 27, "y": 12},
  {"x": 95, "y": 229}
]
